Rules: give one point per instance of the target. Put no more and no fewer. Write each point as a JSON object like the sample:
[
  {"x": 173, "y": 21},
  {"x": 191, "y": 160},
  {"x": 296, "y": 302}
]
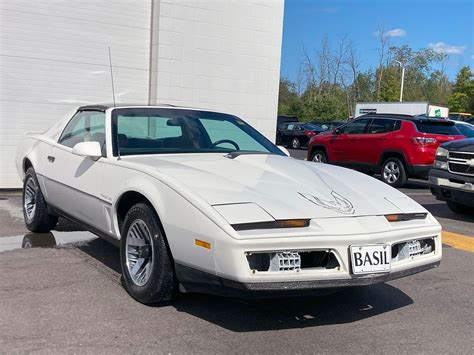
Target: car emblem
[{"x": 338, "y": 203}]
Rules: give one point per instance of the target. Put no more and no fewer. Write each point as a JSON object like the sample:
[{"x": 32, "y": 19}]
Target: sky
[{"x": 446, "y": 26}]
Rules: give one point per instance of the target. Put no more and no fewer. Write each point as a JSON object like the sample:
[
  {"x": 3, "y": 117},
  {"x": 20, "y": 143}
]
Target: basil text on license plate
[{"x": 370, "y": 258}]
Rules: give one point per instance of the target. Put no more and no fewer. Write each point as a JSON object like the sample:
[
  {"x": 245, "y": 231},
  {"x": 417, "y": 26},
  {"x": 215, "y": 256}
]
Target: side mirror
[
  {"x": 88, "y": 149},
  {"x": 284, "y": 150},
  {"x": 337, "y": 131}
]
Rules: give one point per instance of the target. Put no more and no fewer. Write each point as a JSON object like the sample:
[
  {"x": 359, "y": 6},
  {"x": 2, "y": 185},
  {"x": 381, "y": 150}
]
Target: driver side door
[
  {"x": 345, "y": 145},
  {"x": 72, "y": 181}
]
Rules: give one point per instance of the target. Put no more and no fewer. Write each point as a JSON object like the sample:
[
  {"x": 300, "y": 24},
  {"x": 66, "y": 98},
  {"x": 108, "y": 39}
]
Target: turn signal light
[
  {"x": 202, "y": 243},
  {"x": 405, "y": 217},
  {"x": 282, "y": 223}
]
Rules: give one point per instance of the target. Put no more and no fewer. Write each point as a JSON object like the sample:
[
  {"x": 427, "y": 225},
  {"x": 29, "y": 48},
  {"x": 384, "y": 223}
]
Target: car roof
[
  {"x": 106, "y": 106},
  {"x": 416, "y": 118}
]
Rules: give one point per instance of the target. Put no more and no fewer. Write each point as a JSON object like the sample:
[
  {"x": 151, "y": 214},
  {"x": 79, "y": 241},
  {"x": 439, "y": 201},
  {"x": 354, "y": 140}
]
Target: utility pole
[{"x": 403, "y": 79}]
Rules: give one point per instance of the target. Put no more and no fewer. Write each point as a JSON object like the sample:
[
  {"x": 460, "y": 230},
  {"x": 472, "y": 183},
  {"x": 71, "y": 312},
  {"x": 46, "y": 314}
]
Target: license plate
[{"x": 368, "y": 259}]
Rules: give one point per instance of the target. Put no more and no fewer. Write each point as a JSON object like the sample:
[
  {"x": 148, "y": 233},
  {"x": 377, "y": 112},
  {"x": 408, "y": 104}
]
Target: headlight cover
[
  {"x": 440, "y": 164},
  {"x": 441, "y": 152}
]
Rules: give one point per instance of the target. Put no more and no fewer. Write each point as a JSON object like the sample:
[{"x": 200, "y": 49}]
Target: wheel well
[
  {"x": 388, "y": 155},
  {"x": 126, "y": 201},
  {"x": 26, "y": 165}
]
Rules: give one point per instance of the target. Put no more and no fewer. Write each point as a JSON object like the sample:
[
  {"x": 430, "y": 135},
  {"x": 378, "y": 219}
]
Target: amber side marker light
[
  {"x": 202, "y": 243},
  {"x": 282, "y": 223},
  {"x": 405, "y": 217}
]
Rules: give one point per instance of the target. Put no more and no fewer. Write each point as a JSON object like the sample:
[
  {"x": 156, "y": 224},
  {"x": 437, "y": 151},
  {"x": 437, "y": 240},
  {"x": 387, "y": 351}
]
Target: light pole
[{"x": 403, "y": 78}]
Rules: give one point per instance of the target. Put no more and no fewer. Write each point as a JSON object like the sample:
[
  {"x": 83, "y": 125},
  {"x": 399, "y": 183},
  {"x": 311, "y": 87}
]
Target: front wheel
[
  {"x": 393, "y": 172},
  {"x": 319, "y": 157},
  {"x": 35, "y": 210},
  {"x": 147, "y": 267}
]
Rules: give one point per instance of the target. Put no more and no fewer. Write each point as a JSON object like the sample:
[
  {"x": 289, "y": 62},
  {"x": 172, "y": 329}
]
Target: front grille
[
  {"x": 461, "y": 155},
  {"x": 412, "y": 248},
  {"x": 461, "y": 163},
  {"x": 292, "y": 260}
]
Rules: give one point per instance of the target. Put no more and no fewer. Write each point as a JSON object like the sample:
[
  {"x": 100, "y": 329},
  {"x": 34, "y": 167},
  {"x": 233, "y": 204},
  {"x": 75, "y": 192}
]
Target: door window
[
  {"x": 381, "y": 125},
  {"x": 85, "y": 126},
  {"x": 356, "y": 127}
]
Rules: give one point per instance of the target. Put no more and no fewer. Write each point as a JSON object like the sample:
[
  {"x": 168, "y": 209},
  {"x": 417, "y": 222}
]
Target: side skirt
[{"x": 108, "y": 238}]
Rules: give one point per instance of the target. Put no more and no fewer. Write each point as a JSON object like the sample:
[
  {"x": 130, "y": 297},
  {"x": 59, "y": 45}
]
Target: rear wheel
[
  {"x": 146, "y": 261},
  {"x": 35, "y": 209},
  {"x": 319, "y": 157},
  {"x": 393, "y": 172},
  {"x": 295, "y": 143},
  {"x": 459, "y": 208}
]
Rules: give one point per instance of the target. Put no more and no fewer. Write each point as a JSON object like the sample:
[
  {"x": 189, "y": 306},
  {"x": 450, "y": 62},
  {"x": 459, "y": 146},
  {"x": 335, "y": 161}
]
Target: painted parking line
[{"x": 458, "y": 241}]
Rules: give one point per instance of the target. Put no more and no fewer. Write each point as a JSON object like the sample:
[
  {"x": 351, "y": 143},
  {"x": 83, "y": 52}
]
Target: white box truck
[{"x": 405, "y": 108}]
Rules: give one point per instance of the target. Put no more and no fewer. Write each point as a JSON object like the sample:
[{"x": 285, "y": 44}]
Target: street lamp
[{"x": 403, "y": 78}]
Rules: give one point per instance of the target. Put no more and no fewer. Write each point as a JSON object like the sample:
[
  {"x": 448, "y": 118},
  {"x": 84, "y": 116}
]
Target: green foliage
[{"x": 330, "y": 94}]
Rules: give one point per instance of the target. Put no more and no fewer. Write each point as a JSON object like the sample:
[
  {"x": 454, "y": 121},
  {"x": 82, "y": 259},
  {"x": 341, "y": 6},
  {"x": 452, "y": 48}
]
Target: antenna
[{"x": 112, "y": 76}]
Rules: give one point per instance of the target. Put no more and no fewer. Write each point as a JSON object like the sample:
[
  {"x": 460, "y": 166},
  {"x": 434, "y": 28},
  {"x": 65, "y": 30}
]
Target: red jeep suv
[{"x": 396, "y": 146}]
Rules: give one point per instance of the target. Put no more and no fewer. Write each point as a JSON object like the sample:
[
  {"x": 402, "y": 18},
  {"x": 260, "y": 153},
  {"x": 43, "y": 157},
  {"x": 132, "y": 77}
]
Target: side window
[
  {"x": 290, "y": 127},
  {"x": 380, "y": 125},
  {"x": 356, "y": 127},
  {"x": 85, "y": 126}
]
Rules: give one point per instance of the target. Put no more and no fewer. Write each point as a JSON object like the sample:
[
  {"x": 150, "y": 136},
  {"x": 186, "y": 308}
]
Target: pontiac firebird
[{"x": 200, "y": 201}]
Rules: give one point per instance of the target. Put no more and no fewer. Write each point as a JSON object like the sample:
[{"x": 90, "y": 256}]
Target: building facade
[{"x": 216, "y": 54}]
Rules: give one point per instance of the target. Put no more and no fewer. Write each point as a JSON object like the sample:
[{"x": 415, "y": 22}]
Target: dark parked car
[
  {"x": 330, "y": 125},
  {"x": 466, "y": 129},
  {"x": 296, "y": 135},
  {"x": 452, "y": 179}
]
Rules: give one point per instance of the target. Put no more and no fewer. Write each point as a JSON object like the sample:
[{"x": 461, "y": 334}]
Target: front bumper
[
  {"x": 446, "y": 186},
  {"x": 233, "y": 275},
  {"x": 193, "y": 280}
]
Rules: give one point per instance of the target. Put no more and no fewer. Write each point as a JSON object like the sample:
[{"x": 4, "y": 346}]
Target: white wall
[
  {"x": 222, "y": 55},
  {"x": 54, "y": 57}
]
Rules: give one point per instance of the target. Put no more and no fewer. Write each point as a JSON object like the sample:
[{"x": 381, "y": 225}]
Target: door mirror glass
[{"x": 88, "y": 149}]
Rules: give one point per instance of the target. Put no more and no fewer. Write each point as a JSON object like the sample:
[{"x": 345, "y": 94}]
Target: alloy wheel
[
  {"x": 319, "y": 158},
  {"x": 139, "y": 252},
  {"x": 391, "y": 172},
  {"x": 29, "y": 200}
]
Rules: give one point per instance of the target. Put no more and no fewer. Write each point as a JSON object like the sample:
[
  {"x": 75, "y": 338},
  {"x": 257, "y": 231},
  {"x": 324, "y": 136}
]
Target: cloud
[
  {"x": 396, "y": 32},
  {"x": 441, "y": 47}
]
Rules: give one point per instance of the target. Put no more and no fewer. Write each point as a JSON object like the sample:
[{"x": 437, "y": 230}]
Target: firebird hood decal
[{"x": 338, "y": 203}]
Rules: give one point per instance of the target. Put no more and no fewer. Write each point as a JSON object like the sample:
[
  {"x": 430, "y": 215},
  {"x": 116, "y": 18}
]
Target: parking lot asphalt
[{"x": 68, "y": 298}]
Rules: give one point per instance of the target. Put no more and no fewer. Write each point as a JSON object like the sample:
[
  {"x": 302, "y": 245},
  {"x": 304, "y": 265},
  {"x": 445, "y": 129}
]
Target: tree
[{"x": 462, "y": 98}]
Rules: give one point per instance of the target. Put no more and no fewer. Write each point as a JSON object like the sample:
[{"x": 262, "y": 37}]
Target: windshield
[
  {"x": 162, "y": 130},
  {"x": 466, "y": 130}
]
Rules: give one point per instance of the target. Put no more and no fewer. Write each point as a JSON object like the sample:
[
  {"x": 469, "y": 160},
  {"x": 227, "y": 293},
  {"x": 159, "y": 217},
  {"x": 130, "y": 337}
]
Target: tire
[
  {"x": 143, "y": 239},
  {"x": 393, "y": 172},
  {"x": 295, "y": 143},
  {"x": 319, "y": 156},
  {"x": 459, "y": 208},
  {"x": 35, "y": 209}
]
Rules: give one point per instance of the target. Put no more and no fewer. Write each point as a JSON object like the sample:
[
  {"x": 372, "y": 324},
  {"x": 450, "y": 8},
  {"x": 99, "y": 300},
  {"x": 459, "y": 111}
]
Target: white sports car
[{"x": 199, "y": 201}]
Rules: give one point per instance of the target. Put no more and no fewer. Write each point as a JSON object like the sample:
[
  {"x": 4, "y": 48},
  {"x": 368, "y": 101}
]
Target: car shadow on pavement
[
  {"x": 238, "y": 315},
  {"x": 441, "y": 210},
  {"x": 345, "y": 306}
]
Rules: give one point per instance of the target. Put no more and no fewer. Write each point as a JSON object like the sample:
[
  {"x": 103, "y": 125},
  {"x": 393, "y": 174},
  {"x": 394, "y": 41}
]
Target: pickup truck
[{"x": 452, "y": 179}]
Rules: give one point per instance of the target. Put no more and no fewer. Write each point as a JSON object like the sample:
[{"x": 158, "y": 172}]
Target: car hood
[{"x": 283, "y": 187}]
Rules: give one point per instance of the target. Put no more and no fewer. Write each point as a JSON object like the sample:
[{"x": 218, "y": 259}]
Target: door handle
[{"x": 51, "y": 158}]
